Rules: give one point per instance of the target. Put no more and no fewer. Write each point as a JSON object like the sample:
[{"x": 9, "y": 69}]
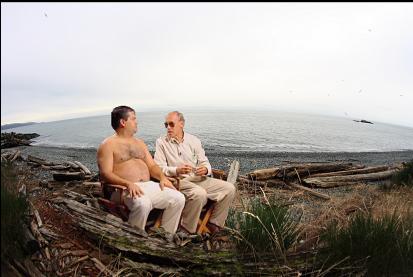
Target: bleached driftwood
[
  {"x": 121, "y": 237},
  {"x": 353, "y": 172},
  {"x": 84, "y": 168},
  {"x": 310, "y": 191},
  {"x": 289, "y": 171},
  {"x": 334, "y": 181},
  {"x": 233, "y": 172}
]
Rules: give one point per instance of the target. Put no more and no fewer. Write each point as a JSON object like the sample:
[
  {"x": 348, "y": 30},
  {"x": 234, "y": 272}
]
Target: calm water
[{"x": 238, "y": 131}]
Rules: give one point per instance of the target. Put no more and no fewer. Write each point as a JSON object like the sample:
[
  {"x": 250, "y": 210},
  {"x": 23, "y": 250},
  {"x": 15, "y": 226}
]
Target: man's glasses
[{"x": 170, "y": 124}]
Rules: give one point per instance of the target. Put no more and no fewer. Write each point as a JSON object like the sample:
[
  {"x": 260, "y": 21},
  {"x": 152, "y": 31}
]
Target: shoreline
[{"x": 249, "y": 160}]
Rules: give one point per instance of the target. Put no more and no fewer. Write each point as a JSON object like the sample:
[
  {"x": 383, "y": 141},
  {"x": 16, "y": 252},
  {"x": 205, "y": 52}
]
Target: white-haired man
[{"x": 181, "y": 154}]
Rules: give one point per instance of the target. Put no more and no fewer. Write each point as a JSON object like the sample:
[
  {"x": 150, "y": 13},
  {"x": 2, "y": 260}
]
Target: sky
[{"x": 66, "y": 60}]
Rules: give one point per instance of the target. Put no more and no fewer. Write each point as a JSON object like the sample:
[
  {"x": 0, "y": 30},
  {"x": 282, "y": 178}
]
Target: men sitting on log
[
  {"x": 125, "y": 160},
  {"x": 181, "y": 154}
]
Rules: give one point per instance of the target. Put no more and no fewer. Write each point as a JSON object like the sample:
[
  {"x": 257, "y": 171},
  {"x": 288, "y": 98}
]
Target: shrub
[
  {"x": 383, "y": 246},
  {"x": 405, "y": 176},
  {"x": 13, "y": 210}
]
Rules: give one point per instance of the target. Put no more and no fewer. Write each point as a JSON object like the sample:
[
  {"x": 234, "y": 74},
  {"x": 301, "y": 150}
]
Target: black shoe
[{"x": 183, "y": 234}]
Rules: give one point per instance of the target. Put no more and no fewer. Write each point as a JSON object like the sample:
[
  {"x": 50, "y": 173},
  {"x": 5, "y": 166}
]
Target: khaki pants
[
  {"x": 169, "y": 200},
  {"x": 197, "y": 191}
]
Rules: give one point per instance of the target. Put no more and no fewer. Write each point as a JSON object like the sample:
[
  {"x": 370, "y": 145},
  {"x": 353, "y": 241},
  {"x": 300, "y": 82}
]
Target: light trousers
[
  {"x": 197, "y": 191},
  {"x": 169, "y": 200}
]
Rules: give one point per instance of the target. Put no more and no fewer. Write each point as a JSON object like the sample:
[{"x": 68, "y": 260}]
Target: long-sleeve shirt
[{"x": 170, "y": 154}]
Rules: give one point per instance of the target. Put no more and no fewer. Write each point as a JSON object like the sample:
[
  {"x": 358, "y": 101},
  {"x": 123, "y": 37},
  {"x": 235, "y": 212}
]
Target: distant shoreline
[
  {"x": 15, "y": 125},
  {"x": 249, "y": 160}
]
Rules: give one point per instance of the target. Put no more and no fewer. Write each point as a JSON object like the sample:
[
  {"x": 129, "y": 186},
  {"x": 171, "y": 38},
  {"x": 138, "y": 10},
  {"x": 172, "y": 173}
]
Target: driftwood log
[
  {"x": 84, "y": 168},
  {"x": 334, "y": 181},
  {"x": 353, "y": 172},
  {"x": 68, "y": 176},
  {"x": 156, "y": 254},
  {"x": 134, "y": 244},
  {"x": 290, "y": 171}
]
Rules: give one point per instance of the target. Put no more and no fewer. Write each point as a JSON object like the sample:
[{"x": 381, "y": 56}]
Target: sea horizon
[{"x": 234, "y": 130}]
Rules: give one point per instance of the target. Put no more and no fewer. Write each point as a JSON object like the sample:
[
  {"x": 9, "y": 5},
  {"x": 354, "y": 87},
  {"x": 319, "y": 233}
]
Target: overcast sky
[{"x": 64, "y": 60}]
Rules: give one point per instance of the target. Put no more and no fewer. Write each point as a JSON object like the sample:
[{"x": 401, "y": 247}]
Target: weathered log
[
  {"x": 84, "y": 168},
  {"x": 310, "y": 191},
  {"x": 73, "y": 165},
  {"x": 56, "y": 167},
  {"x": 327, "y": 182},
  {"x": 36, "y": 233},
  {"x": 33, "y": 159},
  {"x": 48, "y": 233},
  {"x": 308, "y": 170},
  {"x": 68, "y": 176},
  {"x": 219, "y": 174},
  {"x": 121, "y": 237},
  {"x": 38, "y": 219},
  {"x": 289, "y": 171},
  {"x": 353, "y": 171},
  {"x": 16, "y": 155}
]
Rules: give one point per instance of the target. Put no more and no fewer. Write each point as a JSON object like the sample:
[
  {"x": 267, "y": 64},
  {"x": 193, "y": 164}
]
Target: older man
[
  {"x": 125, "y": 160},
  {"x": 181, "y": 154}
]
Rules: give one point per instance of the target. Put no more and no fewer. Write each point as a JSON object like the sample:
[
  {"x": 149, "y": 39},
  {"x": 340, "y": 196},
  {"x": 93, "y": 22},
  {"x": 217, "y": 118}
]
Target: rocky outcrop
[{"x": 12, "y": 139}]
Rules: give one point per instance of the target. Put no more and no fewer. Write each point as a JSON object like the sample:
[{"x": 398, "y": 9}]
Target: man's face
[
  {"x": 131, "y": 122},
  {"x": 174, "y": 126}
]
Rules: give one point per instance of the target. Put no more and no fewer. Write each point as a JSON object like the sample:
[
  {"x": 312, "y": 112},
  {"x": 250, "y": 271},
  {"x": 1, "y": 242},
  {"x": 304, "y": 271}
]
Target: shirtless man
[{"x": 125, "y": 160}]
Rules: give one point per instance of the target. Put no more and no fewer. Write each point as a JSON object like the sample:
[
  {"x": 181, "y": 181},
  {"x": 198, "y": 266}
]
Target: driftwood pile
[
  {"x": 12, "y": 139},
  {"x": 305, "y": 176}
]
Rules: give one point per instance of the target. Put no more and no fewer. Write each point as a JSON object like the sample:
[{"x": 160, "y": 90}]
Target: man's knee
[
  {"x": 198, "y": 195},
  {"x": 228, "y": 188},
  {"x": 177, "y": 198},
  {"x": 140, "y": 203}
]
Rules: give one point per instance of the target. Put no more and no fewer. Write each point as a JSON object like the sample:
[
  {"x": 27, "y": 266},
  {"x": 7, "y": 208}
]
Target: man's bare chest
[{"x": 128, "y": 152}]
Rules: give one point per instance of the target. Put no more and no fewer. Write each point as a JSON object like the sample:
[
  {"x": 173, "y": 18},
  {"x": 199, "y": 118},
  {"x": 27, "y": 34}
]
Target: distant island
[
  {"x": 15, "y": 125},
  {"x": 363, "y": 121}
]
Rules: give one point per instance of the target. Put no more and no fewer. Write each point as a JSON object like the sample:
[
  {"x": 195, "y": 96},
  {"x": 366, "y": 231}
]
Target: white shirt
[{"x": 170, "y": 154}]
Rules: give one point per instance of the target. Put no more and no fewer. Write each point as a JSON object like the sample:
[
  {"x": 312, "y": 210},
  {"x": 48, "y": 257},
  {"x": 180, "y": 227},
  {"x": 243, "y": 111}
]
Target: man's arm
[
  {"x": 155, "y": 171},
  {"x": 160, "y": 160},
  {"x": 105, "y": 164},
  {"x": 204, "y": 167}
]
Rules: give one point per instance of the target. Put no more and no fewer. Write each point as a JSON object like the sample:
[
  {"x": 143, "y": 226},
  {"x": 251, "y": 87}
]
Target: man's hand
[
  {"x": 135, "y": 190},
  {"x": 164, "y": 182},
  {"x": 184, "y": 169},
  {"x": 200, "y": 171}
]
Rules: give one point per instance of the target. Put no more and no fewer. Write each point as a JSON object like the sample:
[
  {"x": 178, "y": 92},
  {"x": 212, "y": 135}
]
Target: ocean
[{"x": 232, "y": 131}]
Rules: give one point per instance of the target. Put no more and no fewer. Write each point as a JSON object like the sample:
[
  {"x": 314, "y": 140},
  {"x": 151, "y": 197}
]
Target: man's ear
[{"x": 122, "y": 122}]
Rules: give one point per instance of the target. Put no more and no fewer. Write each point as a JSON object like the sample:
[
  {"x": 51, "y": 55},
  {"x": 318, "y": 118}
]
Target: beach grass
[
  {"x": 264, "y": 228},
  {"x": 13, "y": 211},
  {"x": 382, "y": 246}
]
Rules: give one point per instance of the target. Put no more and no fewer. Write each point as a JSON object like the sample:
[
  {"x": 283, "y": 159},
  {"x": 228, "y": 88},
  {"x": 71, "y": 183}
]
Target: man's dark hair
[{"x": 118, "y": 113}]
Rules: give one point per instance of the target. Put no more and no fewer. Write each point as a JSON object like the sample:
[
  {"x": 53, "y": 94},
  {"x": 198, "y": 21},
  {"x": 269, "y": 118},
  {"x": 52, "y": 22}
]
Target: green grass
[
  {"x": 13, "y": 210},
  {"x": 382, "y": 246},
  {"x": 405, "y": 176},
  {"x": 264, "y": 228}
]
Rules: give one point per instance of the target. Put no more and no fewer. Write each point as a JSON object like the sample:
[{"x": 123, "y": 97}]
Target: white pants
[{"x": 169, "y": 200}]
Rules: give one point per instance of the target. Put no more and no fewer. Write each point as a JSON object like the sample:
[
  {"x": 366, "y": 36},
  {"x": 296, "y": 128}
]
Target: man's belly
[{"x": 133, "y": 170}]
